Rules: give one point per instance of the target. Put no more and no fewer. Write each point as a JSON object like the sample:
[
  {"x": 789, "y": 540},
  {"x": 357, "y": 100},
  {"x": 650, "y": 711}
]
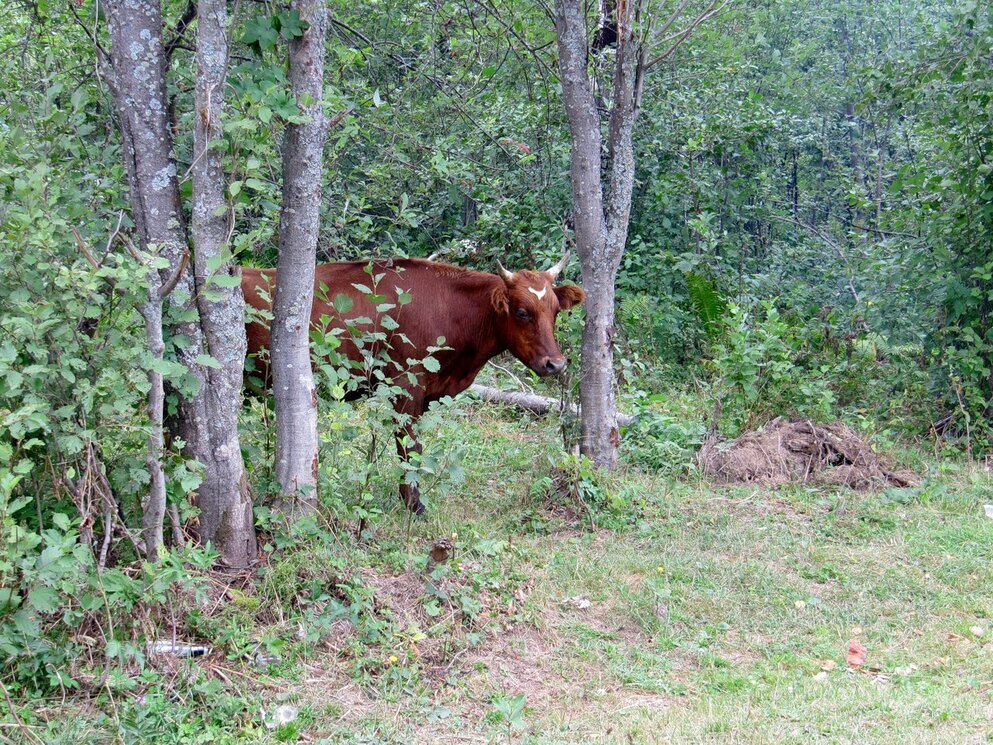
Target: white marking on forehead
[{"x": 538, "y": 293}]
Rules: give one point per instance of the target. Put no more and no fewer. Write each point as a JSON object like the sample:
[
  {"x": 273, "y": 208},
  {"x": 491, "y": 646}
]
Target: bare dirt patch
[{"x": 801, "y": 452}]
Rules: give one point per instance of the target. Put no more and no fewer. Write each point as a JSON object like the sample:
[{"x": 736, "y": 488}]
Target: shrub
[{"x": 762, "y": 369}]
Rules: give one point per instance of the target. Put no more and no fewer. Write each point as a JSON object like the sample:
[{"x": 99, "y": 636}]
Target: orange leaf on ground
[{"x": 856, "y": 653}]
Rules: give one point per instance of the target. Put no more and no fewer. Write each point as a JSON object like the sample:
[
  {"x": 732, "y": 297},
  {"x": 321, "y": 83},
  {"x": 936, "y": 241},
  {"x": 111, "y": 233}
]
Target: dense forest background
[
  {"x": 811, "y": 235},
  {"x": 823, "y": 161}
]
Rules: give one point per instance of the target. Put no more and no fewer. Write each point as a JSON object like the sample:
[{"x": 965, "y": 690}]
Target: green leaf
[
  {"x": 26, "y": 623},
  {"x": 431, "y": 364},
  {"x": 290, "y": 25},
  {"x": 166, "y": 367},
  {"x": 260, "y": 34},
  {"x": 706, "y": 302},
  {"x": 44, "y": 599},
  {"x": 222, "y": 279},
  {"x": 207, "y": 361},
  {"x": 342, "y": 303}
]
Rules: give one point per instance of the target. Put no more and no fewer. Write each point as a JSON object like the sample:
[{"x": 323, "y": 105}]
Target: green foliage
[
  {"x": 706, "y": 302},
  {"x": 660, "y": 442},
  {"x": 378, "y": 340},
  {"x": 508, "y": 711},
  {"x": 52, "y": 599},
  {"x": 945, "y": 88},
  {"x": 760, "y": 372},
  {"x": 72, "y": 388}
]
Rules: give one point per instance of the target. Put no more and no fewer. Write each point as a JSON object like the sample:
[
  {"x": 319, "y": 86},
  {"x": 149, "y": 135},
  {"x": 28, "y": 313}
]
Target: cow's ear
[
  {"x": 569, "y": 295},
  {"x": 499, "y": 299}
]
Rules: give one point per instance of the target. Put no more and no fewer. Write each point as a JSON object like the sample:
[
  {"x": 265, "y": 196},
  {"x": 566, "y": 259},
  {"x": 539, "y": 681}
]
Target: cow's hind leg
[
  {"x": 409, "y": 407},
  {"x": 407, "y": 444}
]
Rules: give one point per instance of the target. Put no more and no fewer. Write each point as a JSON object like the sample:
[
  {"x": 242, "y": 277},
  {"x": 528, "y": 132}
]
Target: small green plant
[
  {"x": 660, "y": 442},
  {"x": 382, "y": 374},
  {"x": 509, "y": 711},
  {"x": 595, "y": 495}
]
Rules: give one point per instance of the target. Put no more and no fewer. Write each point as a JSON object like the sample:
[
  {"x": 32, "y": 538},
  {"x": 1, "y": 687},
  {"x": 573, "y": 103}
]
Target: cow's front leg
[{"x": 407, "y": 443}]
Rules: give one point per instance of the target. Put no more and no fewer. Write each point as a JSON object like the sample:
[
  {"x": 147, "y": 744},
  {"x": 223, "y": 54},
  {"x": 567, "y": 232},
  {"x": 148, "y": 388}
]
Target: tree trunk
[
  {"x": 139, "y": 83},
  {"x": 600, "y": 220},
  {"x": 154, "y": 505},
  {"x": 225, "y": 502},
  {"x": 140, "y": 94},
  {"x": 293, "y": 381}
]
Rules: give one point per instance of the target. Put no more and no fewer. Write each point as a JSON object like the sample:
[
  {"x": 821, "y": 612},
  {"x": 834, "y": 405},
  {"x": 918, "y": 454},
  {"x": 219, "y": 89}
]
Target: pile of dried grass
[{"x": 801, "y": 452}]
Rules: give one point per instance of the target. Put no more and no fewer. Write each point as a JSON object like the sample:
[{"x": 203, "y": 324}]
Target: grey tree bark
[
  {"x": 154, "y": 506},
  {"x": 601, "y": 196},
  {"x": 138, "y": 79},
  {"x": 293, "y": 382},
  {"x": 603, "y": 178},
  {"x": 139, "y": 86},
  {"x": 224, "y": 499}
]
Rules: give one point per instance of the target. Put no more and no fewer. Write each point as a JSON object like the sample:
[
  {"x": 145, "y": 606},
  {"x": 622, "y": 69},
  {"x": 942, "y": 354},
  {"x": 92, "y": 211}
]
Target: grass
[{"x": 680, "y": 614}]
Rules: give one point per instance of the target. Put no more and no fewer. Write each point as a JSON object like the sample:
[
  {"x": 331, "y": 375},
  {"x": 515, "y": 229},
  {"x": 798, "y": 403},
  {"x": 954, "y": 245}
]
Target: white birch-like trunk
[
  {"x": 293, "y": 383},
  {"x": 225, "y": 503},
  {"x": 138, "y": 79}
]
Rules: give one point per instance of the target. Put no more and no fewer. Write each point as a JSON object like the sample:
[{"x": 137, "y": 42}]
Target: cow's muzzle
[{"x": 551, "y": 366}]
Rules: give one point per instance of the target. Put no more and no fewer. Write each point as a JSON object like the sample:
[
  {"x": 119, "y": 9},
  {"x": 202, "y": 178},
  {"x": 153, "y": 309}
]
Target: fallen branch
[{"x": 535, "y": 403}]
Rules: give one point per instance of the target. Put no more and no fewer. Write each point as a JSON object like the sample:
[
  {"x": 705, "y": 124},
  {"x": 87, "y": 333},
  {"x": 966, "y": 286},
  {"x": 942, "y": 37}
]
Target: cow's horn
[
  {"x": 555, "y": 270},
  {"x": 507, "y": 276}
]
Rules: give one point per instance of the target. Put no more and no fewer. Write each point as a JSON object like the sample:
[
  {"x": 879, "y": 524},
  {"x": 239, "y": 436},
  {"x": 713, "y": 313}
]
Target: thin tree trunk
[
  {"x": 139, "y": 83},
  {"x": 293, "y": 381},
  {"x": 225, "y": 502},
  {"x": 154, "y": 505},
  {"x": 596, "y": 378},
  {"x": 139, "y": 87},
  {"x": 601, "y": 221}
]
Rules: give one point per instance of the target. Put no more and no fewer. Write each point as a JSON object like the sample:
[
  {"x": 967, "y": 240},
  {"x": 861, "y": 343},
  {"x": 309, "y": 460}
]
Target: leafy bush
[
  {"x": 660, "y": 442},
  {"x": 761, "y": 370}
]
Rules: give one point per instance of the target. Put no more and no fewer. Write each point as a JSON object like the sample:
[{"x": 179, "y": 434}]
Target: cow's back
[{"x": 428, "y": 301}]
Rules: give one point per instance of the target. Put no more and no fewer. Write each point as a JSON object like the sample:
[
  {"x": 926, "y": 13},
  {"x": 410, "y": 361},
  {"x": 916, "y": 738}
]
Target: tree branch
[
  {"x": 680, "y": 36},
  {"x": 534, "y": 403},
  {"x": 170, "y": 284},
  {"x": 182, "y": 23},
  {"x": 833, "y": 244}
]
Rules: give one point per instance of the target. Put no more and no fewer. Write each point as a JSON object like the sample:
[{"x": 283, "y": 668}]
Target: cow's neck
[{"x": 486, "y": 342}]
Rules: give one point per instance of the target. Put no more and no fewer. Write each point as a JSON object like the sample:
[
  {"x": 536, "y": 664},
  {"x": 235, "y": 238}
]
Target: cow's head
[{"x": 526, "y": 305}]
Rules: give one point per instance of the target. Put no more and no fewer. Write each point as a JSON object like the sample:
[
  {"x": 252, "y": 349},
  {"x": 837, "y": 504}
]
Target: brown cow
[{"x": 478, "y": 315}]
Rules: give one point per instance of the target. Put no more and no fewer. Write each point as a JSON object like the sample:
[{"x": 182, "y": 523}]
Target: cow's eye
[{"x": 522, "y": 314}]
